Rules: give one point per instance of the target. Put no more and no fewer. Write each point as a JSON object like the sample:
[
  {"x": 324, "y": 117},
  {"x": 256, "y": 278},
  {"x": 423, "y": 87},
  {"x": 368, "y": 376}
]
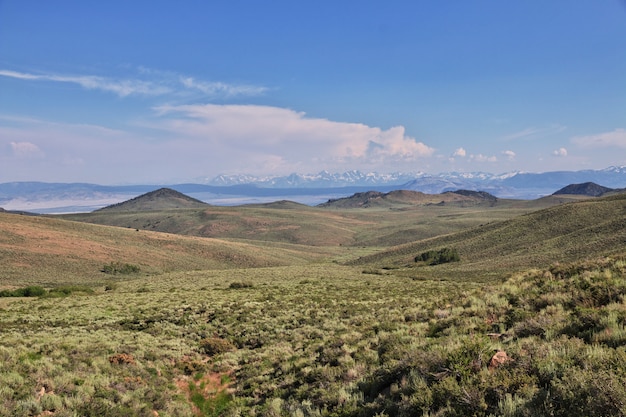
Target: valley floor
[{"x": 319, "y": 340}]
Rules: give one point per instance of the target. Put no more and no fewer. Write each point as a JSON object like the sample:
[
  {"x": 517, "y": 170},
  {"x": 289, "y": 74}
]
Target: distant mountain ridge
[
  {"x": 512, "y": 182},
  {"x": 312, "y": 189}
]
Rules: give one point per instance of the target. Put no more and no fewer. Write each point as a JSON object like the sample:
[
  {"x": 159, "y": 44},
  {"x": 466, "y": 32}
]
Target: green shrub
[
  {"x": 66, "y": 290},
  {"x": 436, "y": 257},
  {"x": 215, "y": 345},
  {"x": 30, "y": 291},
  {"x": 115, "y": 268},
  {"x": 242, "y": 284}
]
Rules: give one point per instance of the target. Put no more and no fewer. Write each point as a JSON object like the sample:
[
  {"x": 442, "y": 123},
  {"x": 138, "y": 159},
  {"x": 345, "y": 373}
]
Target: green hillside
[{"x": 563, "y": 233}]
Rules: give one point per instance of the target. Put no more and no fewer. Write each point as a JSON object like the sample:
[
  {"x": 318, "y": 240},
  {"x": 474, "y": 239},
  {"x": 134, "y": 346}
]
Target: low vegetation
[
  {"x": 38, "y": 291},
  {"x": 115, "y": 268},
  {"x": 436, "y": 257},
  {"x": 297, "y": 330},
  {"x": 30, "y": 291},
  {"x": 324, "y": 341}
]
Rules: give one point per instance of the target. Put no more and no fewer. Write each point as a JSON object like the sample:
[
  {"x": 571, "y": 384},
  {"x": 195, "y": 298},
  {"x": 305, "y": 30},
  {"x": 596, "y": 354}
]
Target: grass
[
  {"x": 322, "y": 340},
  {"x": 236, "y": 326},
  {"x": 294, "y": 322},
  {"x": 49, "y": 252},
  {"x": 564, "y": 233}
]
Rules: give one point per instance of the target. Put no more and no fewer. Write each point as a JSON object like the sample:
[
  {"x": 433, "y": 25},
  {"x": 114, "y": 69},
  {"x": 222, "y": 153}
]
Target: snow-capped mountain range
[
  {"x": 511, "y": 184},
  {"x": 322, "y": 179},
  {"x": 309, "y": 189}
]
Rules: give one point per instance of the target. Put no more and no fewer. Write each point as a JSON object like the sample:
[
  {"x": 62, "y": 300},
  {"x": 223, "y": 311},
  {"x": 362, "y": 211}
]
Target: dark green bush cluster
[
  {"x": 242, "y": 284},
  {"x": 118, "y": 268},
  {"x": 436, "y": 257},
  {"x": 66, "y": 290},
  {"x": 37, "y": 291},
  {"x": 215, "y": 345},
  {"x": 30, "y": 291}
]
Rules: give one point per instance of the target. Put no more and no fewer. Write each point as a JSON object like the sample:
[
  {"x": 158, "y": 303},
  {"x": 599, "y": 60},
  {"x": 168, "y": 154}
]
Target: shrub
[
  {"x": 436, "y": 257},
  {"x": 31, "y": 291},
  {"x": 115, "y": 268},
  {"x": 242, "y": 284},
  {"x": 66, "y": 290},
  {"x": 122, "y": 359},
  {"x": 214, "y": 346}
]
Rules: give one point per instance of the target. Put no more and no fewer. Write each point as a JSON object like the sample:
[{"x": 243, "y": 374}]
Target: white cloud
[
  {"x": 460, "y": 152},
  {"x": 158, "y": 84},
  {"x": 509, "y": 154},
  {"x": 616, "y": 138},
  {"x": 26, "y": 150},
  {"x": 483, "y": 158},
  {"x": 561, "y": 152},
  {"x": 289, "y": 139},
  {"x": 184, "y": 142}
]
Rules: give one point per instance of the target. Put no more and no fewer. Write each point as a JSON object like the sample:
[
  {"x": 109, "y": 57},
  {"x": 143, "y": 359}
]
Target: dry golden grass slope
[{"x": 47, "y": 251}]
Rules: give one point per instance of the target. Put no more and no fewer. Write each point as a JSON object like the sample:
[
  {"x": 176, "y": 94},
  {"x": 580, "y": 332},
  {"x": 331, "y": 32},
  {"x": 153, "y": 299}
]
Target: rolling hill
[
  {"x": 564, "y": 233},
  {"x": 161, "y": 199},
  {"x": 590, "y": 189},
  {"x": 410, "y": 198},
  {"x": 49, "y": 250},
  {"x": 369, "y": 219}
]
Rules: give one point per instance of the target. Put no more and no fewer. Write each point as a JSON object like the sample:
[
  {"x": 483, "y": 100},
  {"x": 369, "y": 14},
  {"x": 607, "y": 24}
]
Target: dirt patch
[{"x": 203, "y": 390}]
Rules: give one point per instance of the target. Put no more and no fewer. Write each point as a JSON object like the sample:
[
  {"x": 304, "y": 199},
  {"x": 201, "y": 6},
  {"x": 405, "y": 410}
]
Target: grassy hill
[
  {"x": 563, "y": 233},
  {"x": 161, "y": 199},
  {"x": 400, "y": 198},
  {"x": 39, "y": 250},
  {"x": 401, "y": 217}
]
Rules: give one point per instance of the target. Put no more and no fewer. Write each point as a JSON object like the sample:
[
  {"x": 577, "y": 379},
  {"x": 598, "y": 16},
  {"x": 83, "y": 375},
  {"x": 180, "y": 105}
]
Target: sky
[{"x": 129, "y": 92}]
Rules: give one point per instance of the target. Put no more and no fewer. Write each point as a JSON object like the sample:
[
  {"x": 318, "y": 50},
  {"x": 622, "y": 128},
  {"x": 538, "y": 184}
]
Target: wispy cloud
[
  {"x": 533, "y": 132},
  {"x": 159, "y": 83},
  {"x": 561, "y": 152},
  {"x": 122, "y": 88},
  {"x": 615, "y": 138},
  {"x": 219, "y": 88}
]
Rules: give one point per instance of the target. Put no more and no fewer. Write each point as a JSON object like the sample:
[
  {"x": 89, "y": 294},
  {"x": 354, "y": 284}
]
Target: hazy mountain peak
[
  {"x": 161, "y": 199},
  {"x": 590, "y": 189}
]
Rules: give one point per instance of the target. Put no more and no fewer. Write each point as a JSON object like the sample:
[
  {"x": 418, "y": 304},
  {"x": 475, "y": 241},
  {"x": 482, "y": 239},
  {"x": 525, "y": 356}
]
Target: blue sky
[{"x": 119, "y": 92}]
